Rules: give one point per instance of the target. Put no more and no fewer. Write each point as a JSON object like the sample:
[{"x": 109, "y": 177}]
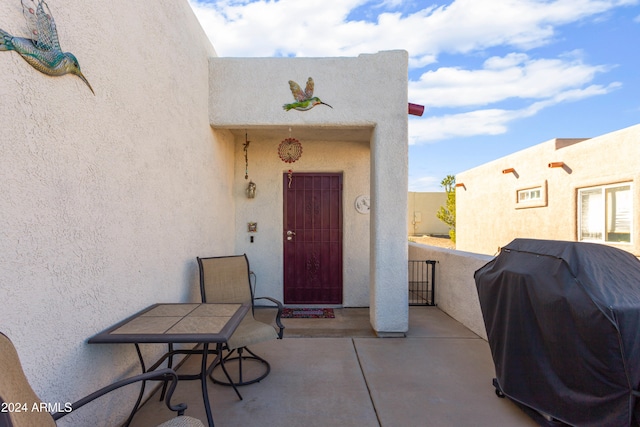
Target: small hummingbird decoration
[
  {"x": 43, "y": 51},
  {"x": 304, "y": 100}
]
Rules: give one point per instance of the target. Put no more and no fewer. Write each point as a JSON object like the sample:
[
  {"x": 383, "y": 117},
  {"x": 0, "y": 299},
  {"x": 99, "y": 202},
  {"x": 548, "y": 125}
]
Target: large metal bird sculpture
[
  {"x": 304, "y": 100},
  {"x": 43, "y": 51}
]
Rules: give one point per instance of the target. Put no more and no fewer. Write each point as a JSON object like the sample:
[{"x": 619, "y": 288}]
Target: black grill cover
[{"x": 563, "y": 322}]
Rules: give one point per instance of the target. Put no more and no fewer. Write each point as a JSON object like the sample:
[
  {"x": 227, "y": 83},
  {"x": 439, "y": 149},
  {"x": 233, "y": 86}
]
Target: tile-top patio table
[{"x": 179, "y": 323}]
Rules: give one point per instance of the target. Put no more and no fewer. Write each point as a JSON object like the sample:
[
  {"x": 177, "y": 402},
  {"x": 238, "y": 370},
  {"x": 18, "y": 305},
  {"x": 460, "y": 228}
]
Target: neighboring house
[
  {"x": 584, "y": 190},
  {"x": 422, "y": 219},
  {"x": 107, "y": 199}
]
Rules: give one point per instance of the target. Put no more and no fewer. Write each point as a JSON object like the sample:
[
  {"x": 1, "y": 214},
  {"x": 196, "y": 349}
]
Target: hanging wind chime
[
  {"x": 290, "y": 150},
  {"x": 251, "y": 187}
]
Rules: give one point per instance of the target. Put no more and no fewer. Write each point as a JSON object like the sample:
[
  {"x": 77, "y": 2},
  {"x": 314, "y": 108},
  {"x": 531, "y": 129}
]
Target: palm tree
[{"x": 448, "y": 214}]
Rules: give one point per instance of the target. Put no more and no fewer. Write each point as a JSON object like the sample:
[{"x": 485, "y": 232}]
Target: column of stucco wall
[
  {"x": 106, "y": 199},
  {"x": 455, "y": 286},
  {"x": 488, "y": 216},
  {"x": 389, "y": 309},
  {"x": 369, "y": 91}
]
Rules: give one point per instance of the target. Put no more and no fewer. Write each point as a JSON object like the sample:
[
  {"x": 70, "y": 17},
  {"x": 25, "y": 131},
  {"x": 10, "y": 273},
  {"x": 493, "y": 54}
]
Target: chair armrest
[
  {"x": 165, "y": 374},
  {"x": 280, "y": 307}
]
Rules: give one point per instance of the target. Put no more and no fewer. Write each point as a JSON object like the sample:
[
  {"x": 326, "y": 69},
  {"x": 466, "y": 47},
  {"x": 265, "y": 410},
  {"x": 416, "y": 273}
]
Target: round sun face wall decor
[{"x": 290, "y": 150}]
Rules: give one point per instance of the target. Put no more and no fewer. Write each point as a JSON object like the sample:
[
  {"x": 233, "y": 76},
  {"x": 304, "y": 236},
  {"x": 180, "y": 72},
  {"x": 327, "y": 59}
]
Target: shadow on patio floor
[{"x": 336, "y": 372}]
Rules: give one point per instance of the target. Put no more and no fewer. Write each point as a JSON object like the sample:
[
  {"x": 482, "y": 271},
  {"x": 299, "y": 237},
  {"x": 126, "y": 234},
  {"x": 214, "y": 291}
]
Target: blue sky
[{"x": 495, "y": 76}]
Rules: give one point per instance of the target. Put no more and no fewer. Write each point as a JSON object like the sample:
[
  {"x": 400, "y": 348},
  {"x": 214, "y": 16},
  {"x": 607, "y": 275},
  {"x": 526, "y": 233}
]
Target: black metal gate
[{"x": 422, "y": 287}]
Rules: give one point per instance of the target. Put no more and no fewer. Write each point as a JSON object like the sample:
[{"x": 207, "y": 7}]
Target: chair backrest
[
  {"x": 225, "y": 279},
  {"x": 15, "y": 390}
]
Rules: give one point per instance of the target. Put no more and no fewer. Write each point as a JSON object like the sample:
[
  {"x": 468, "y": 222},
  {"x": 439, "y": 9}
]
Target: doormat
[{"x": 308, "y": 313}]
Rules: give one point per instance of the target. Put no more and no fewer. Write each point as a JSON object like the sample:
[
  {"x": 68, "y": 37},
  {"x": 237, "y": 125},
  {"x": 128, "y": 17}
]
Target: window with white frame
[
  {"x": 605, "y": 213},
  {"x": 533, "y": 195},
  {"x": 530, "y": 195}
]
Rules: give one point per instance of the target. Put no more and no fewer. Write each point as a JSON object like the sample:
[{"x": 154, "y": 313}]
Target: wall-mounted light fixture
[
  {"x": 251, "y": 190},
  {"x": 509, "y": 170},
  {"x": 416, "y": 110},
  {"x": 556, "y": 164}
]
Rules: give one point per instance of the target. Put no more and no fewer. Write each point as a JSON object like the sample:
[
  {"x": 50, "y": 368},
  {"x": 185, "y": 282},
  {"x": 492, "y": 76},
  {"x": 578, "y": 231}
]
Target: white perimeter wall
[
  {"x": 106, "y": 200},
  {"x": 455, "y": 286}
]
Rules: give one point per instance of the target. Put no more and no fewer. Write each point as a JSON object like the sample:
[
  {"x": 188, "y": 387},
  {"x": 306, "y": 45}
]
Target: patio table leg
[
  {"x": 204, "y": 373},
  {"x": 169, "y": 365},
  {"x": 203, "y": 380},
  {"x": 142, "y": 387}
]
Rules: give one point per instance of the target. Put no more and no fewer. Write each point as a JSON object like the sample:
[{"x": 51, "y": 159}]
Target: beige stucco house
[
  {"x": 563, "y": 189},
  {"x": 107, "y": 199}
]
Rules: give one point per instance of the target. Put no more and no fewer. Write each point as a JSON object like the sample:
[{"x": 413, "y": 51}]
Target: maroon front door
[{"x": 312, "y": 238}]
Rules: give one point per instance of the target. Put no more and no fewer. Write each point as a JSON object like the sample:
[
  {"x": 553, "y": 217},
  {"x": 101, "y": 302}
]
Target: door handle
[{"x": 290, "y": 234}]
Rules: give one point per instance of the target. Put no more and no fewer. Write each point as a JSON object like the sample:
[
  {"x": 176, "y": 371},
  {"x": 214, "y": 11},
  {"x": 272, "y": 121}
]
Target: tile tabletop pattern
[{"x": 177, "y": 323}]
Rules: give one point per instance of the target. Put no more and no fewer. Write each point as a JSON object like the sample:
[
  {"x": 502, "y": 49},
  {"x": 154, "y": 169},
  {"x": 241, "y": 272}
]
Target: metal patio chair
[
  {"x": 228, "y": 280},
  {"x": 16, "y": 390}
]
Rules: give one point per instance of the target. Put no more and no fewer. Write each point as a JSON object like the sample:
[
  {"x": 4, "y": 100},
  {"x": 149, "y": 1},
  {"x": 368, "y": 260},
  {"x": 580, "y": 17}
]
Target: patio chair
[
  {"x": 228, "y": 280},
  {"x": 15, "y": 390}
]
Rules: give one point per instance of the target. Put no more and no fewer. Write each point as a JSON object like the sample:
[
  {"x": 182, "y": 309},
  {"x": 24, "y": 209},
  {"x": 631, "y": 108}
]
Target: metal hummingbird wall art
[
  {"x": 304, "y": 99},
  {"x": 42, "y": 51}
]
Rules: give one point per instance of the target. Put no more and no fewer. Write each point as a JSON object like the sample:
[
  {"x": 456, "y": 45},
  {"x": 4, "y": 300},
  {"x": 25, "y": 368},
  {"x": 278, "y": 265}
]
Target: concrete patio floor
[{"x": 336, "y": 372}]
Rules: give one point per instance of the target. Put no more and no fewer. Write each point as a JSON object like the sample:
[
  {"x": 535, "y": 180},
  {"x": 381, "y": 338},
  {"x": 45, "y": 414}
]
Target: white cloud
[
  {"x": 425, "y": 183},
  {"x": 274, "y": 28},
  {"x": 492, "y": 121},
  {"x": 501, "y": 78},
  {"x": 479, "y": 122},
  {"x": 320, "y": 28},
  {"x": 571, "y": 95}
]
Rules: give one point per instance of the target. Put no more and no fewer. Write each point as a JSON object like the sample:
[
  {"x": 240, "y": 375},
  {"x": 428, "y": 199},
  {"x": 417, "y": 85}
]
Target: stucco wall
[
  {"x": 487, "y": 216},
  {"x": 422, "y": 219},
  {"x": 455, "y": 287},
  {"x": 266, "y": 169},
  {"x": 106, "y": 199},
  {"x": 370, "y": 92}
]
